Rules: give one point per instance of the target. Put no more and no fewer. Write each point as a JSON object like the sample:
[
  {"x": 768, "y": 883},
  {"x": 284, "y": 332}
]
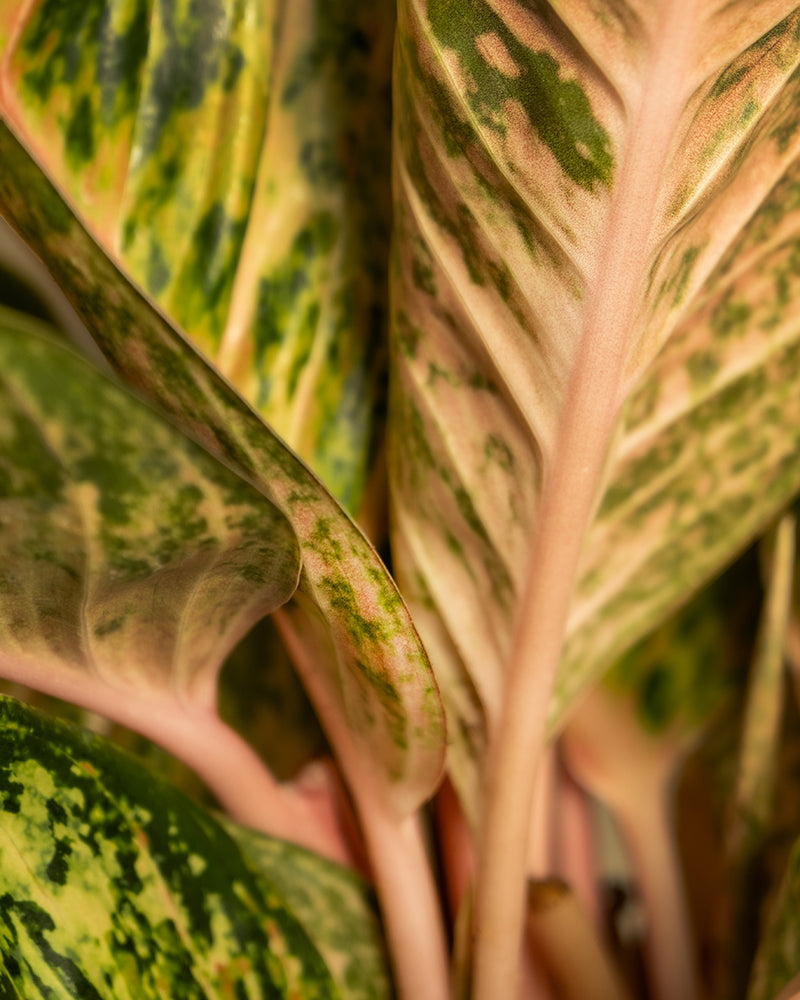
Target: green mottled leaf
[
  {"x": 116, "y": 886},
  {"x": 595, "y": 402},
  {"x": 132, "y": 561},
  {"x": 374, "y": 681},
  {"x": 689, "y": 668},
  {"x": 234, "y": 158},
  {"x": 336, "y": 908}
]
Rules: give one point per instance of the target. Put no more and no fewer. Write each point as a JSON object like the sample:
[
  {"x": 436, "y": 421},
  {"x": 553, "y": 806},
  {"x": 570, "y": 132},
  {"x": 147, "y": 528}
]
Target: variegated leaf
[
  {"x": 376, "y": 680},
  {"x": 233, "y": 157},
  {"x": 595, "y": 401},
  {"x": 132, "y": 561},
  {"x": 683, "y": 673},
  {"x": 336, "y": 908},
  {"x": 114, "y": 885}
]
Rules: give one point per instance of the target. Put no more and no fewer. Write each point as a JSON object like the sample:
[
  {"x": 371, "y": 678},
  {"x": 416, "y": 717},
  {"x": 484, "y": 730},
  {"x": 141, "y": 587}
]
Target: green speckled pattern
[
  {"x": 341, "y": 571},
  {"x": 336, "y": 907},
  {"x": 114, "y": 886},
  {"x": 690, "y": 667},
  {"x": 128, "y": 552},
  {"x": 513, "y": 122},
  {"x": 234, "y": 156}
]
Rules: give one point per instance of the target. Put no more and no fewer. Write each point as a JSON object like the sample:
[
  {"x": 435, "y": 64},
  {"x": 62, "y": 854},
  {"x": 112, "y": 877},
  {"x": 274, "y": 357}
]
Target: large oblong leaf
[
  {"x": 132, "y": 561},
  {"x": 114, "y": 885},
  {"x": 374, "y": 676},
  {"x": 595, "y": 345},
  {"x": 233, "y": 158}
]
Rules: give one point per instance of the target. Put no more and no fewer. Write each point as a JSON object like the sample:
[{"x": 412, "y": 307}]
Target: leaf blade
[
  {"x": 234, "y": 161},
  {"x": 545, "y": 276},
  {"x": 172, "y": 375},
  {"x": 116, "y": 885}
]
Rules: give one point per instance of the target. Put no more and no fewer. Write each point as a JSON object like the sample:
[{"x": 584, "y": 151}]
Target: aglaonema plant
[{"x": 543, "y": 301}]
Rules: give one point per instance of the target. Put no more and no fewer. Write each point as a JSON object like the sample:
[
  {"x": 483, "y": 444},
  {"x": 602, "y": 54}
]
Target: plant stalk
[
  {"x": 632, "y": 773},
  {"x": 395, "y": 848},
  {"x": 223, "y": 760}
]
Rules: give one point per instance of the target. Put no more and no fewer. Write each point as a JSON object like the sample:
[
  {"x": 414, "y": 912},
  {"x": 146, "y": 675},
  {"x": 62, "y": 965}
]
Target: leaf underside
[
  {"x": 132, "y": 561},
  {"x": 376, "y": 676}
]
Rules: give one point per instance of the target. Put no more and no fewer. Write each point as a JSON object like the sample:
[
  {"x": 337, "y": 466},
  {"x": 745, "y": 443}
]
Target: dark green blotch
[
  {"x": 559, "y": 110},
  {"x": 287, "y": 306},
  {"x": 390, "y": 702},
  {"x": 233, "y": 66},
  {"x": 342, "y": 598},
  {"x": 730, "y": 318},
  {"x": 728, "y": 79},
  {"x": 58, "y": 866},
  {"x": 65, "y": 36},
  {"x": 158, "y": 270},
  {"x": 193, "y": 59},
  {"x": 208, "y": 271},
  {"x": 640, "y": 473},
  {"x": 116, "y": 483},
  {"x": 735, "y": 398},
  {"x": 107, "y": 628},
  {"x": 656, "y": 699},
  {"x": 422, "y": 271},
  {"x": 321, "y": 162},
  {"x": 497, "y": 450},
  {"x": 54, "y": 43},
  {"x": 680, "y": 281},
  {"x": 338, "y": 47},
  {"x": 80, "y": 134},
  {"x": 306, "y": 332},
  {"x": 408, "y": 336},
  {"x": 120, "y": 62},
  {"x": 702, "y": 366},
  {"x": 325, "y": 542},
  {"x": 481, "y": 382},
  {"x": 37, "y": 923},
  {"x": 183, "y": 525},
  {"x": 10, "y": 792},
  {"x": 28, "y": 467}
]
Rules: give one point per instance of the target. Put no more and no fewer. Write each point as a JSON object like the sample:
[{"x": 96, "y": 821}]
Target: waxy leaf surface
[
  {"x": 595, "y": 341},
  {"x": 132, "y": 560},
  {"x": 116, "y": 886},
  {"x": 233, "y": 157},
  {"x": 336, "y": 908},
  {"x": 375, "y": 677}
]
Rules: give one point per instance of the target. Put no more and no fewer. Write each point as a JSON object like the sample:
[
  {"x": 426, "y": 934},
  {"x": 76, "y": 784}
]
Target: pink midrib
[{"x": 572, "y": 481}]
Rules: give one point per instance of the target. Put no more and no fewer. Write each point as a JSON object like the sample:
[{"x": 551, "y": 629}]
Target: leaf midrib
[{"x": 572, "y": 479}]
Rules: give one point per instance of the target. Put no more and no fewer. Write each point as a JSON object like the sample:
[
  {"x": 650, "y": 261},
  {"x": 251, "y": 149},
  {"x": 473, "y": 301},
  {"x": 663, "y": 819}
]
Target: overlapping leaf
[
  {"x": 375, "y": 675},
  {"x": 594, "y": 332},
  {"x": 132, "y": 561},
  {"x": 116, "y": 886},
  {"x": 128, "y": 551},
  {"x": 234, "y": 158},
  {"x": 335, "y": 906}
]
